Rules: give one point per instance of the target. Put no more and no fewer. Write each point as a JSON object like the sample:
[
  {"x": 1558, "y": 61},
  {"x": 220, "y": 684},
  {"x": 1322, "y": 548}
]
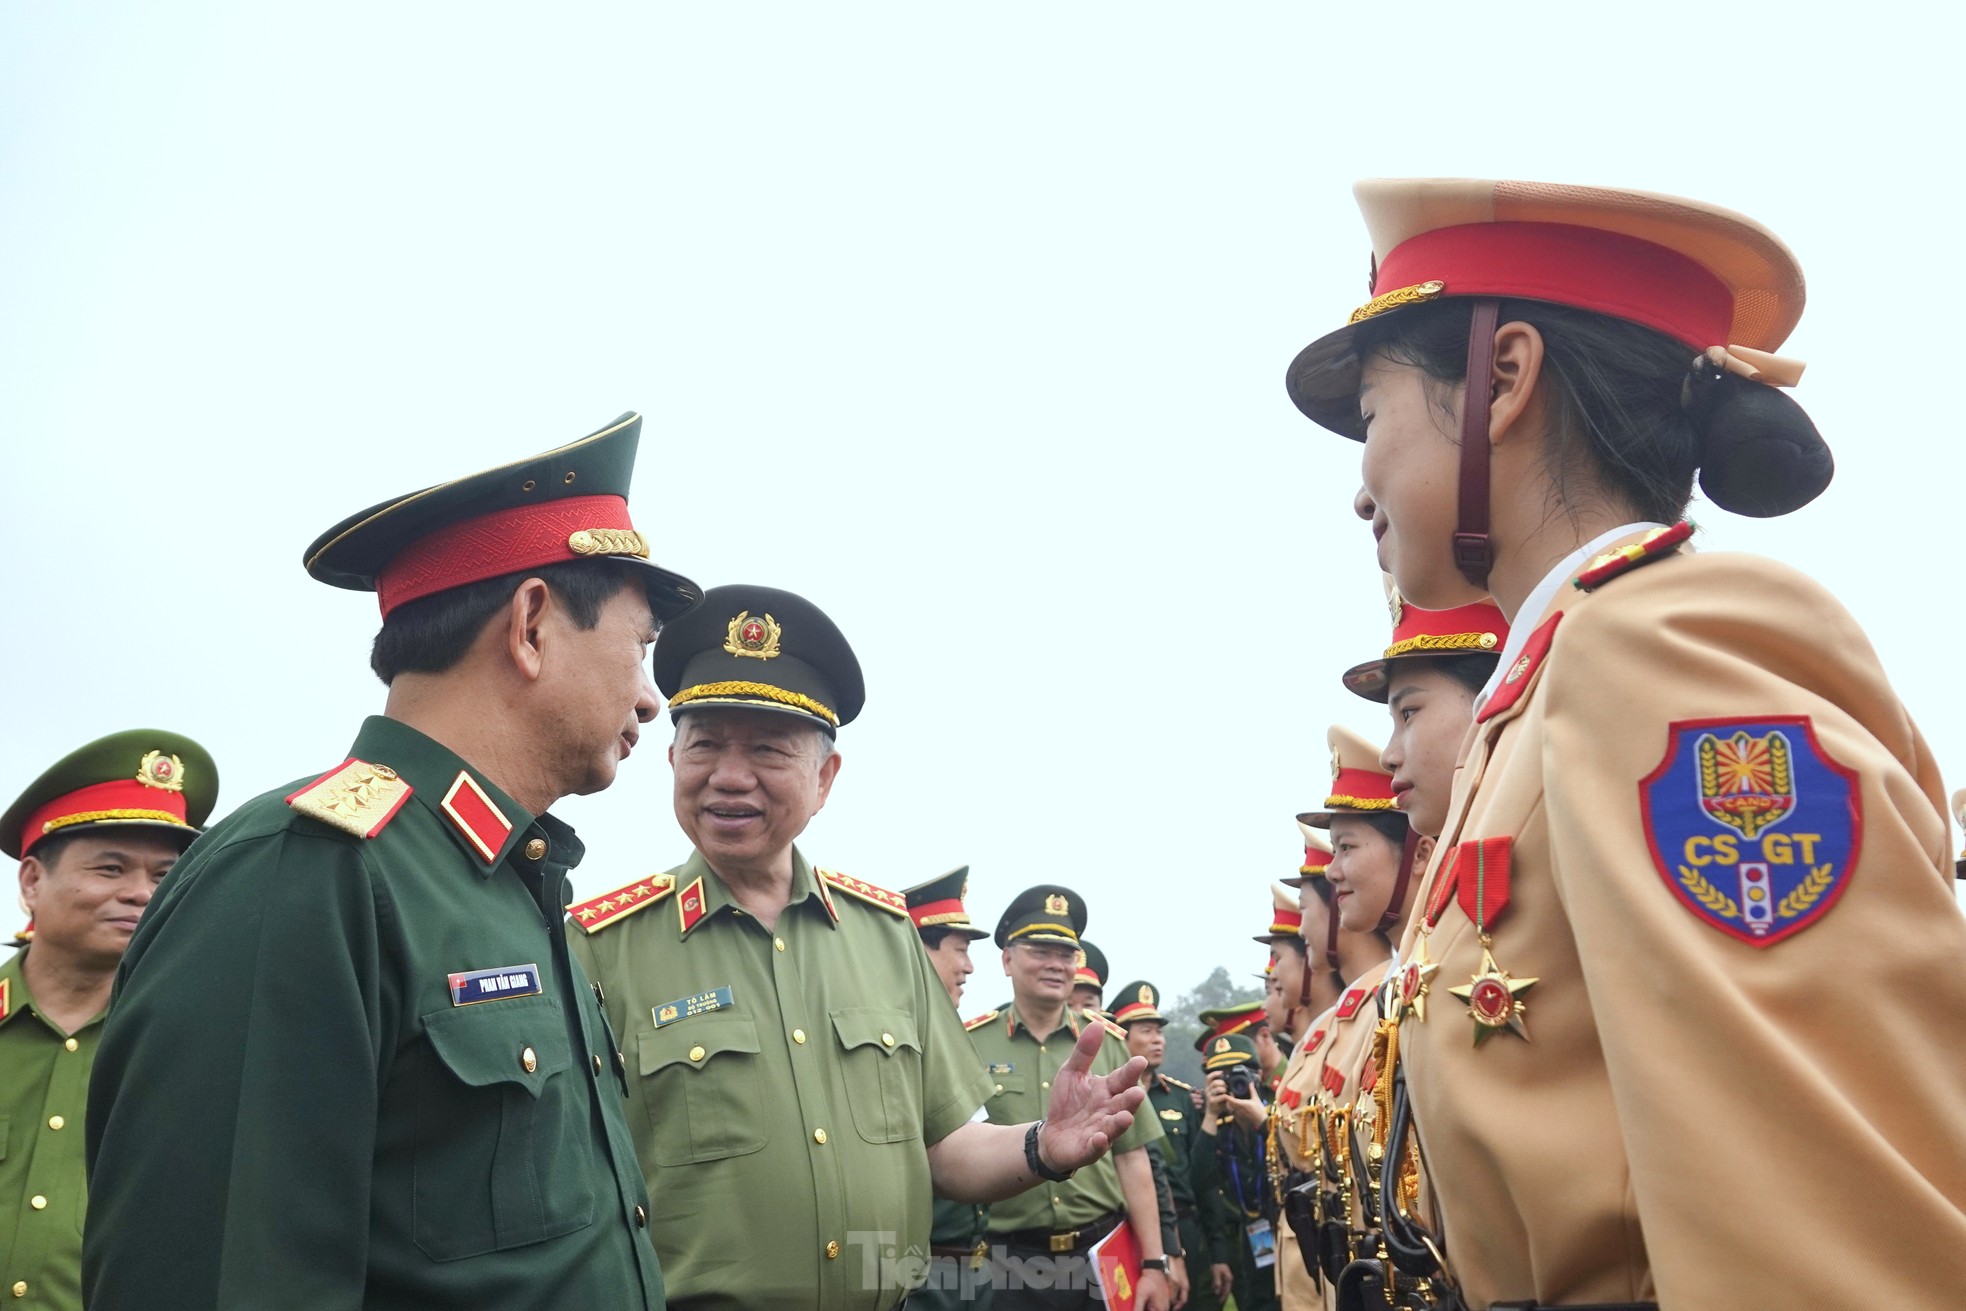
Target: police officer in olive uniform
[
  {"x": 1089, "y": 979},
  {"x": 792, "y": 1054},
  {"x": 350, "y": 1061},
  {"x": 94, "y": 835},
  {"x": 1041, "y": 1240},
  {"x": 959, "y": 1251},
  {"x": 1136, "y": 1009}
]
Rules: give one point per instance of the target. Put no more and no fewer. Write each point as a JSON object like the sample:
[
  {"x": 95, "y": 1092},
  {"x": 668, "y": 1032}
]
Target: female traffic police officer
[{"x": 1691, "y": 798}]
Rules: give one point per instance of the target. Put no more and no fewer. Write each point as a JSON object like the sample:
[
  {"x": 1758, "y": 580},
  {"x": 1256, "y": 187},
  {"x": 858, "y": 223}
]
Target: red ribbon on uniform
[{"x": 1481, "y": 877}]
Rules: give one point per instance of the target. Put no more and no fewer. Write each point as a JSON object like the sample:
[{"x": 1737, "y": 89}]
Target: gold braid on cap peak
[
  {"x": 1065, "y": 929},
  {"x": 102, "y": 816},
  {"x": 1442, "y": 642},
  {"x": 705, "y": 691},
  {"x": 1358, "y": 803},
  {"x": 1393, "y": 300}
]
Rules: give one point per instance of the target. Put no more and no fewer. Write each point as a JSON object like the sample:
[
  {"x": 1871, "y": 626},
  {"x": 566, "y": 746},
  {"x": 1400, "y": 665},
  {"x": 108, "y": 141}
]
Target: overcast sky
[{"x": 969, "y": 323}]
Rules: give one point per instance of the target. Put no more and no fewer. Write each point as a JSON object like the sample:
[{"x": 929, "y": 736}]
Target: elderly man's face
[
  {"x": 747, "y": 783},
  {"x": 1040, "y": 972}
]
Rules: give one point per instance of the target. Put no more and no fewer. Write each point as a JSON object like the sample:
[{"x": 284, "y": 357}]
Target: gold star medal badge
[{"x": 1480, "y": 873}]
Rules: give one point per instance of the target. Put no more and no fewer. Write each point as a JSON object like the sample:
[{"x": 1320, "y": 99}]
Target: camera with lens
[{"x": 1240, "y": 1082}]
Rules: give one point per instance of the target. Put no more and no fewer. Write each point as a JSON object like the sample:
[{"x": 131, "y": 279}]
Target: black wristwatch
[
  {"x": 1036, "y": 1162},
  {"x": 1159, "y": 1263}
]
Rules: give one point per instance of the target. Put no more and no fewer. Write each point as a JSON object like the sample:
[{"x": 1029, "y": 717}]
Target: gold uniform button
[
  {"x": 528, "y": 1060},
  {"x": 832, "y": 1251},
  {"x": 56, "y": 1122},
  {"x": 20, "y": 1289},
  {"x": 38, "y": 1202},
  {"x": 778, "y": 944},
  {"x": 71, "y": 1045},
  {"x": 999, "y": 1087},
  {"x": 887, "y": 1040},
  {"x": 798, "y": 1035},
  {"x": 536, "y": 849},
  {"x": 696, "y": 1053},
  {"x": 819, "y": 1136},
  {"x": 641, "y": 1218},
  {"x": 1046, "y": 1084}
]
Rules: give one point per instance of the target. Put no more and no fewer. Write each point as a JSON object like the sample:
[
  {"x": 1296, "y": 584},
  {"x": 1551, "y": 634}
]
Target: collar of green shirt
[
  {"x": 433, "y": 769},
  {"x": 16, "y": 1000},
  {"x": 809, "y": 896},
  {"x": 1017, "y": 1022}
]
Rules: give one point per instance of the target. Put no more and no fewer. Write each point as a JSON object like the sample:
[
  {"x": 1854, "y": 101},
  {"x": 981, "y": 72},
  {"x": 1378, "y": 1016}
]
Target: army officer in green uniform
[
  {"x": 350, "y": 1062},
  {"x": 798, "y": 1080},
  {"x": 94, "y": 835},
  {"x": 959, "y": 1251},
  {"x": 1041, "y": 1241},
  {"x": 1136, "y": 1009}
]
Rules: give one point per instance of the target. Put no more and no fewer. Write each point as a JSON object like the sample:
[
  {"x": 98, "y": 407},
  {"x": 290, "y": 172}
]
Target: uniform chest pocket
[
  {"x": 702, "y": 1088},
  {"x": 503, "y": 1148},
  {"x": 882, "y": 1061}
]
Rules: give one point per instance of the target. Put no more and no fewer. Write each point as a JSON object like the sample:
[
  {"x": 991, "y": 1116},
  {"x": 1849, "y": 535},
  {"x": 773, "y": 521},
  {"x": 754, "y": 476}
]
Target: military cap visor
[
  {"x": 568, "y": 504},
  {"x": 144, "y": 779},
  {"x": 1136, "y": 1003},
  {"x": 1228, "y": 1051},
  {"x": 759, "y": 648},
  {"x": 1047, "y": 913},
  {"x": 938, "y": 904}
]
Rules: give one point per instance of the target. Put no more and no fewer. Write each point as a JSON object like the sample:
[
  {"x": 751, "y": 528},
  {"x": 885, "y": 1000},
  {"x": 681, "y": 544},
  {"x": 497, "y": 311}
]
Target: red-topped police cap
[
  {"x": 569, "y": 504},
  {"x": 145, "y": 778},
  {"x": 1358, "y": 785},
  {"x": 1703, "y": 275},
  {"x": 1317, "y": 856},
  {"x": 938, "y": 904},
  {"x": 1477, "y": 629},
  {"x": 1286, "y": 915},
  {"x": 1135, "y": 1002},
  {"x": 1089, "y": 968}
]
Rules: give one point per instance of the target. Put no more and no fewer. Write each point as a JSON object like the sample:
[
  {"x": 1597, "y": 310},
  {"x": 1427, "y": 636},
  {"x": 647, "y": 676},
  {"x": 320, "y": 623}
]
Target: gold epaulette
[
  {"x": 356, "y": 797},
  {"x": 981, "y": 1020},
  {"x": 865, "y": 891},
  {"x": 593, "y": 916},
  {"x": 1105, "y": 1022},
  {"x": 1173, "y": 1082},
  {"x": 1655, "y": 545}
]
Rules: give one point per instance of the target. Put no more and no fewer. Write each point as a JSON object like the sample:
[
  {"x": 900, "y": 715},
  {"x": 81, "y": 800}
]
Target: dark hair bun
[{"x": 1759, "y": 453}]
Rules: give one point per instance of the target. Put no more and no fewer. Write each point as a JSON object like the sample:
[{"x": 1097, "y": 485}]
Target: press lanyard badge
[{"x": 1262, "y": 1244}]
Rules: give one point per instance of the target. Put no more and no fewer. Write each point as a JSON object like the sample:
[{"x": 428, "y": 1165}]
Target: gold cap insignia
[
  {"x": 1222, "y": 1045},
  {"x": 1078, "y": 959},
  {"x": 1146, "y": 994},
  {"x": 754, "y": 637},
  {"x": 1337, "y": 765},
  {"x": 1057, "y": 905},
  {"x": 158, "y": 770},
  {"x": 1395, "y": 605},
  {"x": 608, "y": 541}
]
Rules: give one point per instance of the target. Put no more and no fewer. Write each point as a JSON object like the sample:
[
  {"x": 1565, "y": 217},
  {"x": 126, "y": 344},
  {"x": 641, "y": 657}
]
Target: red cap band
[
  {"x": 1588, "y": 268},
  {"x": 930, "y": 913},
  {"x": 124, "y": 799},
  {"x": 502, "y": 542},
  {"x": 1360, "y": 789},
  {"x": 1288, "y": 921}
]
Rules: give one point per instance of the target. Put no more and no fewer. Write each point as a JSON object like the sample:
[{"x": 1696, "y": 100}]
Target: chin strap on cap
[
  {"x": 1474, "y": 553},
  {"x": 1397, "y": 905}
]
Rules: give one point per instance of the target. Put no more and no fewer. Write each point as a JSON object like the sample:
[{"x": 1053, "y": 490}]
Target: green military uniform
[
  {"x": 1170, "y": 1104},
  {"x": 1237, "y": 1197},
  {"x": 44, "y": 1082},
  {"x": 803, "y": 1075},
  {"x": 144, "y": 779},
  {"x": 351, "y": 1062},
  {"x": 959, "y": 1269}
]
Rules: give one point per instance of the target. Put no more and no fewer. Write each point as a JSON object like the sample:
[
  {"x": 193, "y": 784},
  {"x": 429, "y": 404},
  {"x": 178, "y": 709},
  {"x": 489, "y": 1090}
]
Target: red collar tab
[
  {"x": 1522, "y": 673},
  {"x": 506, "y": 541},
  {"x": 6, "y": 998},
  {"x": 690, "y": 906},
  {"x": 1655, "y": 545},
  {"x": 1317, "y": 1036},
  {"x": 473, "y": 813},
  {"x": 1481, "y": 880},
  {"x": 1588, "y": 268},
  {"x": 1353, "y": 999}
]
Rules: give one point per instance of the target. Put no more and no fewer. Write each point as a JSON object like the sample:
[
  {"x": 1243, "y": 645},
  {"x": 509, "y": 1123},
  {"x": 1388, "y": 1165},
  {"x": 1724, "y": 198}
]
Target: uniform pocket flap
[
  {"x": 875, "y": 1026},
  {"x": 697, "y": 1041},
  {"x": 522, "y": 1041}
]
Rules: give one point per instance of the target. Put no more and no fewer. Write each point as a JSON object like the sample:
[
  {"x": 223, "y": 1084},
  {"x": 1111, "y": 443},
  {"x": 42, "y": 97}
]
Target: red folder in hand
[{"x": 1117, "y": 1259}]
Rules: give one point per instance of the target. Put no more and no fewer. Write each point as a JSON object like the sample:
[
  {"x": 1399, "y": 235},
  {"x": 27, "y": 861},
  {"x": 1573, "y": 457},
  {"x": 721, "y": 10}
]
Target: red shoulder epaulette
[
  {"x": 981, "y": 1020},
  {"x": 593, "y": 916},
  {"x": 6, "y": 997},
  {"x": 1107, "y": 1023},
  {"x": 1655, "y": 545},
  {"x": 865, "y": 891},
  {"x": 356, "y": 797}
]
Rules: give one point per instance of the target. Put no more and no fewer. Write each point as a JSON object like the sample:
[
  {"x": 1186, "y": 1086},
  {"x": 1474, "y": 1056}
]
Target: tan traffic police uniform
[
  {"x": 1294, "y": 1140},
  {"x": 1723, "y": 1052}
]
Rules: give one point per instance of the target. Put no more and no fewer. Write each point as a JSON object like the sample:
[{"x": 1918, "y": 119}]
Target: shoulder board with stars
[
  {"x": 593, "y": 916},
  {"x": 865, "y": 891},
  {"x": 1106, "y": 1024},
  {"x": 981, "y": 1020},
  {"x": 1655, "y": 545},
  {"x": 355, "y": 796},
  {"x": 1173, "y": 1082}
]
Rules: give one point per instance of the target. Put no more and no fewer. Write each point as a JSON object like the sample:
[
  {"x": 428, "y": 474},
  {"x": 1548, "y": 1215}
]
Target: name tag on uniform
[
  {"x": 701, "y": 1004},
  {"x": 473, "y": 986},
  {"x": 1002, "y": 1067}
]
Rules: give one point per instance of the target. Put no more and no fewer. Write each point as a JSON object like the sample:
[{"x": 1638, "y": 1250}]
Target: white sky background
[{"x": 970, "y": 324}]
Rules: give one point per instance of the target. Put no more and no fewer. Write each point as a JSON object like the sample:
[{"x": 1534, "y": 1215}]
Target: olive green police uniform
[
  {"x": 959, "y": 1249},
  {"x": 798, "y": 1073},
  {"x": 784, "y": 1084},
  {"x": 351, "y": 1062},
  {"x": 145, "y": 779}
]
